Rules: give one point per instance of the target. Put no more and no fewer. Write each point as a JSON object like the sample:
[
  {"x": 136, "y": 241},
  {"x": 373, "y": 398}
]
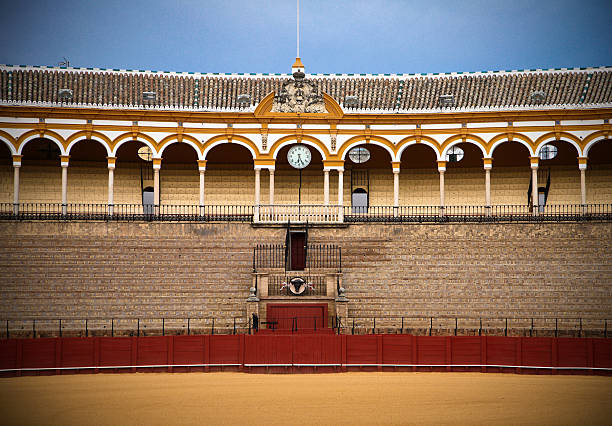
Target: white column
[
  {"x": 488, "y": 187},
  {"x": 156, "y": 195},
  {"x": 156, "y": 186},
  {"x": 111, "y": 184},
  {"x": 257, "y": 195},
  {"x": 64, "y": 162},
  {"x": 340, "y": 187},
  {"x": 271, "y": 190},
  {"x": 326, "y": 187},
  {"x": 202, "y": 187},
  {"x": 534, "y": 184},
  {"x": 202, "y": 171},
  {"x": 340, "y": 195},
  {"x": 111, "y": 189},
  {"x": 441, "y": 170},
  {"x": 582, "y": 165},
  {"x": 16, "y": 167},
  {"x": 396, "y": 188}
]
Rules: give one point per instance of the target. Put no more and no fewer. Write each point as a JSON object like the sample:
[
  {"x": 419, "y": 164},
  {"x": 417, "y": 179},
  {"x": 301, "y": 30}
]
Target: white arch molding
[
  {"x": 225, "y": 141},
  {"x": 32, "y": 137},
  {"x": 184, "y": 141},
  {"x": 303, "y": 141},
  {"x": 9, "y": 145},
  {"x": 552, "y": 139},
  {"x": 422, "y": 142},
  {"x": 588, "y": 146},
  {"x": 92, "y": 138},
  {"x": 522, "y": 142},
  {"x": 364, "y": 143},
  {"x": 147, "y": 143},
  {"x": 457, "y": 142}
]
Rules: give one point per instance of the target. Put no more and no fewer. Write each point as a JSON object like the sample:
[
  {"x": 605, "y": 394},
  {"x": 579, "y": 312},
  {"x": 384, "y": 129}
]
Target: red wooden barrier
[{"x": 306, "y": 352}]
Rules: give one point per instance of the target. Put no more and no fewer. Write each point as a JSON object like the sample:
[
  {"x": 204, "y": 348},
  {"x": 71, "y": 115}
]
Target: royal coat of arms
[{"x": 299, "y": 95}]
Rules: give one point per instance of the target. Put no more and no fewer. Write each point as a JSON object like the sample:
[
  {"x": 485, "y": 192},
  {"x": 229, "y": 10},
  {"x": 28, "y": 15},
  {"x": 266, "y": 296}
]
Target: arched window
[{"x": 359, "y": 200}]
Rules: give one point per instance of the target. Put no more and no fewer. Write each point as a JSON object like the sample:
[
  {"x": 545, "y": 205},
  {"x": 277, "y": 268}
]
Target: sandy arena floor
[{"x": 350, "y": 398}]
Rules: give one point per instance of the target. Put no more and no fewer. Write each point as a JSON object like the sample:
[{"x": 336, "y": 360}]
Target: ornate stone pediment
[{"x": 299, "y": 95}]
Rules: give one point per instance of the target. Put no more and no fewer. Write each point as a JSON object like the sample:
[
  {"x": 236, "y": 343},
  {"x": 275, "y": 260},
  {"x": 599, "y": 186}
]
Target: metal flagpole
[{"x": 298, "y": 28}]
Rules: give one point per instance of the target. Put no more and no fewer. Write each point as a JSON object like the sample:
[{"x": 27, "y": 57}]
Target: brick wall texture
[{"x": 202, "y": 270}]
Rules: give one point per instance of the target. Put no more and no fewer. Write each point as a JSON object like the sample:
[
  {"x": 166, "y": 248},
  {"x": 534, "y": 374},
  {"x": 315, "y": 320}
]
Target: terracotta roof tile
[{"x": 393, "y": 93}]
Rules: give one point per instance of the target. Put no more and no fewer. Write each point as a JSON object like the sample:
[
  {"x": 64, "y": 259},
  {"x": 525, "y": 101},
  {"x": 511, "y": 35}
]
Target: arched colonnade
[{"x": 332, "y": 161}]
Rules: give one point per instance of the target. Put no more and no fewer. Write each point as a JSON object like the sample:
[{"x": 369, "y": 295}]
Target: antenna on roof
[
  {"x": 298, "y": 29},
  {"x": 65, "y": 62}
]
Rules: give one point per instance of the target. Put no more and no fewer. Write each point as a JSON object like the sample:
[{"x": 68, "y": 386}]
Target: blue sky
[{"x": 340, "y": 36}]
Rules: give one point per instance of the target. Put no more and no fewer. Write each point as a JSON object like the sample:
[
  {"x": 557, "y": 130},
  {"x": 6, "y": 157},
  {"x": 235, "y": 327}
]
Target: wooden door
[
  {"x": 297, "y": 317},
  {"x": 298, "y": 251}
]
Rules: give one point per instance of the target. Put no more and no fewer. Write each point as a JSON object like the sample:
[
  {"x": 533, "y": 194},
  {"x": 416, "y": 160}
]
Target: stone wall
[{"x": 104, "y": 270}]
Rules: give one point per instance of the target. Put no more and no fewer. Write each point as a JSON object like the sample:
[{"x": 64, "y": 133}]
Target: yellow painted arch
[
  {"x": 83, "y": 134},
  {"x": 425, "y": 140},
  {"x": 467, "y": 138},
  {"x": 188, "y": 139},
  {"x": 593, "y": 139},
  {"x": 55, "y": 137},
  {"x": 322, "y": 148},
  {"x": 510, "y": 136},
  {"x": 230, "y": 138},
  {"x": 387, "y": 144},
  {"x": 10, "y": 142},
  {"x": 141, "y": 137}
]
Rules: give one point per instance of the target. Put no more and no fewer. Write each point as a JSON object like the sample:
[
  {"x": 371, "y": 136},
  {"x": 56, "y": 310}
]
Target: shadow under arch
[
  {"x": 558, "y": 136},
  {"x": 415, "y": 141},
  {"x": 593, "y": 139},
  {"x": 131, "y": 137},
  {"x": 94, "y": 136},
  {"x": 181, "y": 139},
  {"x": 240, "y": 140},
  {"x": 459, "y": 139},
  {"x": 27, "y": 137},
  {"x": 502, "y": 138},
  {"x": 9, "y": 141}
]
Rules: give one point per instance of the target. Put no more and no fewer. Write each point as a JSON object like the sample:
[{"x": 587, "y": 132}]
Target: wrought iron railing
[
  {"x": 126, "y": 212},
  {"x": 456, "y": 325},
  {"x": 416, "y": 325},
  {"x": 274, "y": 256},
  {"x": 306, "y": 213},
  {"x": 495, "y": 213}
]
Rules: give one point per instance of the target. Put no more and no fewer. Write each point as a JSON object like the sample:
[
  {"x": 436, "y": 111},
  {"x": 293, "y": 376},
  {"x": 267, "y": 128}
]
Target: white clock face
[{"x": 299, "y": 156}]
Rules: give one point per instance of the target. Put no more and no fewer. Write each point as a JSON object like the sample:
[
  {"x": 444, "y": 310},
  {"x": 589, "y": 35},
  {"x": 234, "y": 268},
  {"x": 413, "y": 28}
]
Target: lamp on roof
[
  {"x": 351, "y": 100},
  {"x": 149, "y": 96},
  {"x": 64, "y": 94},
  {"x": 538, "y": 96},
  {"x": 447, "y": 100},
  {"x": 244, "y": 99}
]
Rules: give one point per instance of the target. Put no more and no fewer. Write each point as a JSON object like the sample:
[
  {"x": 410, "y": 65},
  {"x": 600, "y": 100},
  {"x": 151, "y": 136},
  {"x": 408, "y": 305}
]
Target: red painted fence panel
[{"x": 307, "y": 352}]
